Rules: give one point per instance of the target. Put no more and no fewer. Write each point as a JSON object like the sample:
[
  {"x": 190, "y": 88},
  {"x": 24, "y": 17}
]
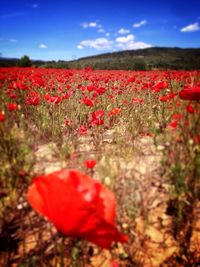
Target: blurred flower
[
  {"x": 190, "y": 109},
  {"x": 68, "y": 122},
  {"x": 196, "y": 139},
  {"x": 166, "y": 98},
  {"x": 115, "y": 111},
  {"x": 87, "y": 69},
  {"x": 172, "y": 125},
  {"x": 177, "y": 116},
  {"x": 90, "y": 88},
  {"x": 190, "y": 93},
  {"x": 90, "y": 164},
  {"x": 137, "y": 100},
  {"x": 82, "y": 130},
  {"x": 97, "y": 118},
  {"x": 114, "y": 263},
  {"x": 12, "y": 106},
  {"x": 2, "y": 117},
  {"x": 100, "y": 90},
  {"x": 52, "y": 99},
  {"x": 12, "y": 95},
  {"x": 33, "y": 99},
  {"x": 88, "y": 102},
  {"x": 77, "y": 205}
]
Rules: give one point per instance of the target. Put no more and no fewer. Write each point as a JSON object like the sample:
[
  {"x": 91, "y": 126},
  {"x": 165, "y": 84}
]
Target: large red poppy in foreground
[{"x": 78, "y": 206}]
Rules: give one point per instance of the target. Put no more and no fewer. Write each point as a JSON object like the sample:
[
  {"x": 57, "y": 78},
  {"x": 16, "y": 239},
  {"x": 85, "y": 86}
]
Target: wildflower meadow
[{"x": 99, "y": 167}]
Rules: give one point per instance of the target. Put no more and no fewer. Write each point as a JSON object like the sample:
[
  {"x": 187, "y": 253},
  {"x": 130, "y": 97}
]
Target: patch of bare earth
[{"x": 154, "y": 242}]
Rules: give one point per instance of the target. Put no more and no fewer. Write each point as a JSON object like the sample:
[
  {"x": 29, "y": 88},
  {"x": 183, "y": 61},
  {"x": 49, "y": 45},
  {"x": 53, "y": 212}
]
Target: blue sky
[{"x": 53, "y": 30}]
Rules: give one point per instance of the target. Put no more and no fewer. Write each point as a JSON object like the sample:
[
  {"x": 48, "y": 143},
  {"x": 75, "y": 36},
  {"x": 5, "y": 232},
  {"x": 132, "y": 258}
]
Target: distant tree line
[
  {"x": 24, "y": 61},
  {"x": 143, "y": 59}
]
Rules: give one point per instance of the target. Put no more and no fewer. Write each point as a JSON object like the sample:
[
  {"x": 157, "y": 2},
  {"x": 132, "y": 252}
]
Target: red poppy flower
[
  {"x": 164, "y": 98},
  {"x": 177, "y": 116},
  {"x": 88, "y": 102},
  {"x": 100, "y": 90},
  {"x": 114, "y": 263},
  {"x": 90, "y": 164},
  {"x": 33, "y": 99},
  {"x": 78, "y": 206},
  {"x": 68, "y": 122},
  {"x": 115, "y": 111},
  {"x": 2, "y": 117},
  {"x": 172, "y": 125},
  {"x": 190, "y": 93},
  {"x": 196, "y": 139},
  {"x": 82, "y": 130},
  {"x": 52, "y": 99},
  {"x": 12, "y": 106},
  {"x": 55, "y": 99},
  {"x": 96, "y": 117},
  {"x": 137, "y": 100},
  {"x": 190, "y": 109},
  {"x": 12, "y": 95},
  {"x": 90, "y": 88}
]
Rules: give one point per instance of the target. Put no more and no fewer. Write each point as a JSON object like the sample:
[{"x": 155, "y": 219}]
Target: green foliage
[
  {"x": 14, "y": 157},
  {"x": 24, "y": 61},
  {"x": 140, "y": 65},
  {"x": 60, "y": 64},
  {"x": 178, "y": 179}
]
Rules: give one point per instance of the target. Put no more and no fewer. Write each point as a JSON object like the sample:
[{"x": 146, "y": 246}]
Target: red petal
[{"x": 77, "y": 205}]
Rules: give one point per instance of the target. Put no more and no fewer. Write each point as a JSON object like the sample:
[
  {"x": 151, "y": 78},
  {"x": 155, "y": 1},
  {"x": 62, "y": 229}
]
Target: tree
[
  {"x": 25, "y": 61},
  {"x": 140, "y": 65}
]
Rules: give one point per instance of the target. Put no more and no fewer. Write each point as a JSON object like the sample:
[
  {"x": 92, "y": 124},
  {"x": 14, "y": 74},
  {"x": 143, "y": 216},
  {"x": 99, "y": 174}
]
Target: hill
[
  {"x": 141, "y": 59},
  {"x": 155, "y": 57}
]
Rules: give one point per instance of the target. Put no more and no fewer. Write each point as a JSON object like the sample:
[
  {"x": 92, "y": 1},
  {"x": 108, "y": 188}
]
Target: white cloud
[
  {"x": 35, "y": 6},
  {"x": 120, "y": 43},
  {"x": 80, "y": 46},
  {"x": 42, "y": 46},
  {"x": 128, "y": 43},
  {"x": 133, "y": 45},
  {"x": 99, "y": 44},
  {"x": 125, "y": 39},
  {"x": 12, "y": 40},
  {"x": 123, "y": 31},
  {"x": 86, "y": 25},
  {"x": 92, "y": 24},
  {"x": 139, "y": 24},
  {"x": 107, "y": 34},
  {"x": 191, "y": 28}
]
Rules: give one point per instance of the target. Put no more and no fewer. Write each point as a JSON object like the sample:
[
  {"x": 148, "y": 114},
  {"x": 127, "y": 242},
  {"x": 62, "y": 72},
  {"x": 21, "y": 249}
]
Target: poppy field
[{"x": 99, "y": 168}]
